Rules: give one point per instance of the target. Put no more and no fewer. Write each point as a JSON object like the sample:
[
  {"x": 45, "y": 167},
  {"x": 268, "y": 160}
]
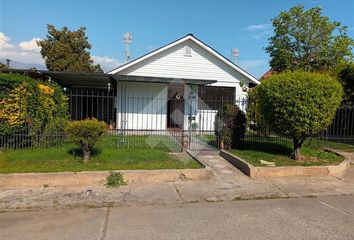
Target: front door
[{"x": 175, "y": 107}]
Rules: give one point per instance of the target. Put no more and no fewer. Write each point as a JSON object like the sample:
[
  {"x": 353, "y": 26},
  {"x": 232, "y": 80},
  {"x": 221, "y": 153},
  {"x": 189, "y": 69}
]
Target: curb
[
  {"x": 254, "y": 172},
  {"x": 94, "y": 178}
]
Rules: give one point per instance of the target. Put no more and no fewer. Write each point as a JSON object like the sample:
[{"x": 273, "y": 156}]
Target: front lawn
[
  {"x": 112, "y": 153},
  {"x": 280, "y": 152}
]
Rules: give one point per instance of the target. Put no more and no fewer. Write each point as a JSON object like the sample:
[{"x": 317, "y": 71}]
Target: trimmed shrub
[
  {"x": 230, "y": 125},
  {"x": 85, "y": 134},
  {"x": 298, "y": 104}
]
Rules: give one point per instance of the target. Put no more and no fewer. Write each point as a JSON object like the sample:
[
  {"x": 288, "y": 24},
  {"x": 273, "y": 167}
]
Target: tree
[
  {"x": 85, "y": 134},
  {"x": 345, "y": 73},
  {"x": 298, "y": 104},
  {"x": 67, "y": 51},
  {"x": 230, "y": 125},
  {"x": 307, "y": 40}
]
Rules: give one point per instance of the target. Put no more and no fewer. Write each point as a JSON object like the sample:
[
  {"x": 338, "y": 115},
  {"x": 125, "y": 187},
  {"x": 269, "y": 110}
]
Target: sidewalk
[{"x": 228, "y": 184}]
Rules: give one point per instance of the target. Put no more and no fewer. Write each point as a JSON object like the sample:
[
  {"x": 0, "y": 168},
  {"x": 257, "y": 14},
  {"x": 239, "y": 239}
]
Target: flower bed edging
[
  {"x": 94, "y": 178},
  {"x": 253, "y": 172}
]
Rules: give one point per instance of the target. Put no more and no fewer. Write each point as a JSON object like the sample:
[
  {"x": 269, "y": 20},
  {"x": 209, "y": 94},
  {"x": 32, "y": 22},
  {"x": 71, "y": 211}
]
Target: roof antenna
[
  {"x": 235, "y": 54},
  {"x": 127, "y": 39}
]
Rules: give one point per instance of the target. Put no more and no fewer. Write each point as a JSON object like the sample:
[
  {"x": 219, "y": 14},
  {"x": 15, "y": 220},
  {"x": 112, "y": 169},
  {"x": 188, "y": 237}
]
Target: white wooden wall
[
  {"x": 145, "y": 106},
  {"x": 201, "y": 65}
]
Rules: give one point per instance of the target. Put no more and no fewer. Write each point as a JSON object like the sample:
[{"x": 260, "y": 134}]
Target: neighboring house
[
  {"x": 171, "y": 88},
  {"x": 267, "y": 74}
]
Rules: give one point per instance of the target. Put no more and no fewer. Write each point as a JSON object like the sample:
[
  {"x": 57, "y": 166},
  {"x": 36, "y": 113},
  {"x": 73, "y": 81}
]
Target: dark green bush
[
  {"x": 254, "y": 118},
  {"x": 230, "y": 125},
  {"x": 85, "y": 134}
]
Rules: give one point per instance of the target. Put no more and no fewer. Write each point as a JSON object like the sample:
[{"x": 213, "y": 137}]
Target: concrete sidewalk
[{"x": 227, "y": 184}]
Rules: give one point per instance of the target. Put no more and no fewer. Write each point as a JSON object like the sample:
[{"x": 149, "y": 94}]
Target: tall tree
[
  {"x": 67, "y": 51},
  {"x": 307, "y": 40}
]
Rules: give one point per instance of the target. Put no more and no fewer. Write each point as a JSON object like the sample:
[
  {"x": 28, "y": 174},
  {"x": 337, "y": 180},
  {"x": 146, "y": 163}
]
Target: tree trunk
[
  {"x": 86, "y": 154},
  {"x": 297, "y": 149}
]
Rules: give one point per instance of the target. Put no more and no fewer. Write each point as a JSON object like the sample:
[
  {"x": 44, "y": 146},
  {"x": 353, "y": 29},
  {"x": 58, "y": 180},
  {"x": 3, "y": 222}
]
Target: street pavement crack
[
  {"x": 103, "y": 232},
  {"x": 178, "y": 193},
  {"x": 334, "y": 207},
  {"x": 277, "y": 187}
]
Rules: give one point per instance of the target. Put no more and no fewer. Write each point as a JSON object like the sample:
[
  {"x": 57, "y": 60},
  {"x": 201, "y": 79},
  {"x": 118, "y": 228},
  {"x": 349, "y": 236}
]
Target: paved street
[{"x": 326, "y": 217}]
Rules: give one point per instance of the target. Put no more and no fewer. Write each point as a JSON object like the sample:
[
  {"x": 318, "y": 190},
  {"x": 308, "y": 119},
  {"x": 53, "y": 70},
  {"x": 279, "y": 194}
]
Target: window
[
  {"x": 214, "y": 98},
  {"x": 187, "y": 51}
]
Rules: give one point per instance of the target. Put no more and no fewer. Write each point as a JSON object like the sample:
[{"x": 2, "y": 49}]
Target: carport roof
[{"x": 100, "y": 80}]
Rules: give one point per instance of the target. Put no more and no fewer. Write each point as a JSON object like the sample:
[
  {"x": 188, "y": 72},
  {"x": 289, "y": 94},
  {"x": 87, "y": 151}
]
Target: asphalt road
[{"x": 330, "y": 217}]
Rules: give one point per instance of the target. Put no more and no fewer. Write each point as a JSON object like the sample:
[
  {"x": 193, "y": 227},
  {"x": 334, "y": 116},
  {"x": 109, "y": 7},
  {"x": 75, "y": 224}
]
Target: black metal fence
[
  {"x": 171, "y": 124},
  {"x": 339, "y": 134},
  {"x": 91, "y": 103}
]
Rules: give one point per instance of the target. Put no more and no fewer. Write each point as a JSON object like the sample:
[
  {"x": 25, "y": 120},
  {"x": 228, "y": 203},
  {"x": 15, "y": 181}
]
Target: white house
[
  {"x": 176, "y": 87},
  {"x": 181, "y": 83}
]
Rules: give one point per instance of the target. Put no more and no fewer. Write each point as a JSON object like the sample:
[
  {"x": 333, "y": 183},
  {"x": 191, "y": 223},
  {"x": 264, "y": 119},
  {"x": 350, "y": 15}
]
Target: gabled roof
[{"x": 178, "y": 41}]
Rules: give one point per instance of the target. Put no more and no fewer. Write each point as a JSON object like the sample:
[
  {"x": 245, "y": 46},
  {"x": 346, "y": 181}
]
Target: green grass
[
  {"x": 109, "y": 154},
  {"x": 329, "y": 144},
  {"x": 266, "y": 148}
]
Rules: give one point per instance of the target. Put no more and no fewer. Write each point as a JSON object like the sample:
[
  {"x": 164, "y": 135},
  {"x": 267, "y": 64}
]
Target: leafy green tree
[
  {"x": 85, "y": 134},
  {"x": 67, "y": 51},
  {"x": 307, "y": 40},
  {"x": 345, "y": 73},
  {"x": 298, "y": 104}
]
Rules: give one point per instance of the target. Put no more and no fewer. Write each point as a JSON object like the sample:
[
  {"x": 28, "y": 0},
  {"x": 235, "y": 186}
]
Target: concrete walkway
[{"x": 227, "y": 184}]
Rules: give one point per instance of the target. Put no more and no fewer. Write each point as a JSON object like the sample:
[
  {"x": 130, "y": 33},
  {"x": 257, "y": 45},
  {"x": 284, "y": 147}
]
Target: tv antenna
[
  {"x": 235, "y": 54},
  {"x": 127, "y": 39}
]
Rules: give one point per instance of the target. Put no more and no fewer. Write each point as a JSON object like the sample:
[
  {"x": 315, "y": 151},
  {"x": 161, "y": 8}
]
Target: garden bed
[
  {"x": 279, "y": 152},
  {"x": 316, "y": 159},
  {"x": 111, "y": 153},
  {"x": 285, "y": 171}
]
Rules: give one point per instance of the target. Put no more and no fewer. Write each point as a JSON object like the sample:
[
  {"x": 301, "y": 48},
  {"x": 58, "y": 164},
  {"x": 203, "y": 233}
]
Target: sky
[{"x": 222, "y": 24}]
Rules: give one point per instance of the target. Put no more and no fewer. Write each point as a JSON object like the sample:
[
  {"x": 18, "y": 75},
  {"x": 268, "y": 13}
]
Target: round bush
[
  {"x": 298, "y": 104},
  {"x": 85, "y": 134}
]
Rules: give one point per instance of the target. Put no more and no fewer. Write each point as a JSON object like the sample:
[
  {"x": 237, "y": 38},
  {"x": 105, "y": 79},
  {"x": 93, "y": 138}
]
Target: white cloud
[
  {"x": 107, "y": 63},
  {"x": 258, "y": 27},
  {"x": 255, "y": 66},
  {"x": 251, "y": 64},
  {"x": 30, "y": 45},
  {"x": 260, "y": 30},
  {"x": 24, "y": 52},
  {"x": 5, "y": 42},
  {"x": 27, "y": 53}
]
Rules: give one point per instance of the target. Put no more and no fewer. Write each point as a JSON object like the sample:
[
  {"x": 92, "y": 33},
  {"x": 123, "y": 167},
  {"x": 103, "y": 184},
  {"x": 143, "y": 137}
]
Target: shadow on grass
[
  {"x": 266, "y": 147},
  {"x": 78, "y": 152}
]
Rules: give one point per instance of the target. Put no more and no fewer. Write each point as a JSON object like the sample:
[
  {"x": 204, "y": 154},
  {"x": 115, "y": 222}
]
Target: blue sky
[{"x": 222, "y": 24}]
